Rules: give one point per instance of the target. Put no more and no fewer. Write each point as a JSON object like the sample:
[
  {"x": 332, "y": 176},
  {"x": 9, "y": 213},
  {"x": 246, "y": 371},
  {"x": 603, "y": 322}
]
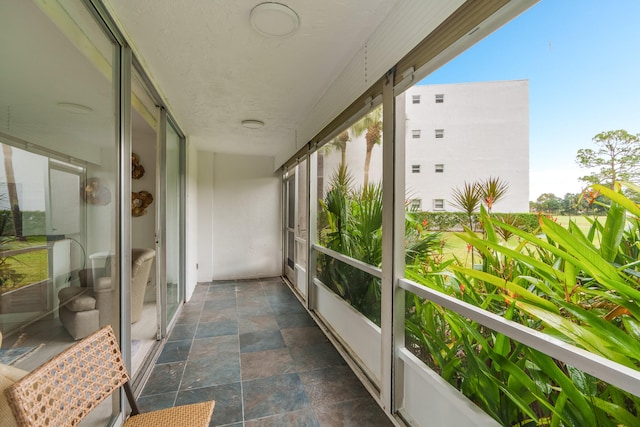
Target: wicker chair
[{"x": 64, "y": 390}]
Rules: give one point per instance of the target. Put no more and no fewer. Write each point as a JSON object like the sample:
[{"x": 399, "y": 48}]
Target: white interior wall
[
  {"x": 101, "y": 218},
  {"x": 239, "y": 217},
  {"x": 191, "y": 220},
  {"x": 204, "y": 208},
  {"x": 143, "y": 228}
]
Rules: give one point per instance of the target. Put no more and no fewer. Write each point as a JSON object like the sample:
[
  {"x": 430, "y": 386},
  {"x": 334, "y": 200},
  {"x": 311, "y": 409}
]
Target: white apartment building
[
  {"x": 466, "y": 132},
  {"x": 456, "y": 133}
]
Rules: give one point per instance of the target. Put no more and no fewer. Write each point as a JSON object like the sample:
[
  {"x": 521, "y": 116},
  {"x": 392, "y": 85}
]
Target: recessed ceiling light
[
  {"x": 252, "y": 124},
  {"x": 274, "y": 19},
  {"x": 74, "y": 108}
]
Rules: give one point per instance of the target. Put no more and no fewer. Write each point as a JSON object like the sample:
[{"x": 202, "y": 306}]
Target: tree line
[
  {"x": 589, "y": 203},
  {"x": 615, "y": 158}
]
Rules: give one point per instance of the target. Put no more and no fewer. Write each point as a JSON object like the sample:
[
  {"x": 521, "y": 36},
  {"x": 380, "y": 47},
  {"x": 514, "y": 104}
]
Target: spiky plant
[{"x": 491, "y": 190}]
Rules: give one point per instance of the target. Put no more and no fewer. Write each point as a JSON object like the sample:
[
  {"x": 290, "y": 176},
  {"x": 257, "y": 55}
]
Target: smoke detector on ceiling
[
  {"x": 274, "y": 19},
  {"x": 252, "y": 124}
]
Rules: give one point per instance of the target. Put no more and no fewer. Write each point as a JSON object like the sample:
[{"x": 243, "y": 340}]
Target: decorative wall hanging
[
  {"x": 139, "y": 202},
  {"x": 137, "y": 170},
  {"x": 96, "y": 192}
]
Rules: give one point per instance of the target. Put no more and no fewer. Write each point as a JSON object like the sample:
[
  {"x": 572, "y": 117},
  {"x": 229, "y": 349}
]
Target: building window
[
  {"x": 415, "y": 99},
  {"x": 415, "y": 168},
  {"x": 438, "y": 204},
  {"x": 440, "y": 168},
  {"x": 415, "y": 205},
  {"x": 439, "y": 133},
  {"x": 415, "y": 133},
  {"x": 439, "y": 98}
]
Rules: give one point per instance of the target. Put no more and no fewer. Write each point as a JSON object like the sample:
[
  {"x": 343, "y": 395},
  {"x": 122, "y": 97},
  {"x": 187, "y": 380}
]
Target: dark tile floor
[{"x": 252, "y": 347}]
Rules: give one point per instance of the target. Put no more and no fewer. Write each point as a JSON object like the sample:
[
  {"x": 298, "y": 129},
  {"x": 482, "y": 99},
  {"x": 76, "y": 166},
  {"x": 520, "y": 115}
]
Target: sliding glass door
[{"x": 174, "y": 251}]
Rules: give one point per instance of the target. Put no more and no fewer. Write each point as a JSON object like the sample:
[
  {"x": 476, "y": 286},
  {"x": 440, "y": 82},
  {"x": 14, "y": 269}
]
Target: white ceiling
[
  {"x": 215, "y": 71},
  {"x": 212, "y": 69}
]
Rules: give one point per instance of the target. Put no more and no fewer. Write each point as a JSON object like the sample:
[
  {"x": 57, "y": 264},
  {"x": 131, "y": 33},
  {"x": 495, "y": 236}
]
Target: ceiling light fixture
[
  {"x": 252, "y": 124},
  {"x": 274, "y": 19},
  {"x": 74, "y": 108}
]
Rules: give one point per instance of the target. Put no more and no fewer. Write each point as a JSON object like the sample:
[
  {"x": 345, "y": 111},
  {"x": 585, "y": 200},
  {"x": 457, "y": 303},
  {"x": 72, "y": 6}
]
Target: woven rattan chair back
[{"x": 65, "y": 389}]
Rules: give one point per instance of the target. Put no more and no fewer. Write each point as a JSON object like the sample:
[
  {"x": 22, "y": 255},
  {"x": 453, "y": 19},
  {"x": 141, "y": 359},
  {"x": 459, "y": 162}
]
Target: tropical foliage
[
  {"x": 579, "y": 287},
  {"x": 351, "y": 224},
  {"x": 371, "y": 126}
]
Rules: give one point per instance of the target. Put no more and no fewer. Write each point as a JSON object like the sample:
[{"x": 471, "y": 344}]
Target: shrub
[
  {"x": 454, "y": 221},
  {"x": 579, "y": 287}
]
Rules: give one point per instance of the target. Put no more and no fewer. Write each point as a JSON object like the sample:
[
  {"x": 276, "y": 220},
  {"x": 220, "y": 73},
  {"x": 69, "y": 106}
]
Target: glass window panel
[
  {"x": 351, "y": 189},
  {"x": 58, "y": 180},
  {"x": 301, "y": 218},
  {"x": 356, "y": 287},
  {"x": 513, "y": 383},
  {"x": 173, "y": 212},
  {"x": 519, "y": 222},
  {"x": 350, "y": 203},
  {"x": 65, "y": 205}
]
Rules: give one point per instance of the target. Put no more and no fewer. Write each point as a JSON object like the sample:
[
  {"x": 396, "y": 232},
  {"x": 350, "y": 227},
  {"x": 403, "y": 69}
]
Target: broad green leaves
[{"x": 582, "y": 287}]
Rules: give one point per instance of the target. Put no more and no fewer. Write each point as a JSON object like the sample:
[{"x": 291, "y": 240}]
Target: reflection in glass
[
  {"x": 301, "y": 217},
  {"x": 58, "y": 181},
  {"x": 173, "y": 216}
]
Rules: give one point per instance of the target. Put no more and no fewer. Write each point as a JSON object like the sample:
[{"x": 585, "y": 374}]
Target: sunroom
[{"x": 379, "y": 157}]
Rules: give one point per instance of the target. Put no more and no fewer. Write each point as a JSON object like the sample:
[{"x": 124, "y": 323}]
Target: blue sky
[{"x": 582, "y": 60}]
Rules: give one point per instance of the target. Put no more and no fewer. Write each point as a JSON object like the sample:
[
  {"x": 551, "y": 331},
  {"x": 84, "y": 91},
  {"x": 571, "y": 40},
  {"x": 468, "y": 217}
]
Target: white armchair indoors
[{"x": 85, "y": 308}]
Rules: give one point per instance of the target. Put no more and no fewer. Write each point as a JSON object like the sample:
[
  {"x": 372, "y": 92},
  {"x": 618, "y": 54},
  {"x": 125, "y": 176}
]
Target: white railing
[
  {"x": 374, "y": 271},
  {"x": 607, "y": 370}
]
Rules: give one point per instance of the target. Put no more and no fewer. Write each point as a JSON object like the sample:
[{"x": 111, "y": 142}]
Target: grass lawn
[
  {"x": 23, "y": 268},
  {"x": 454, "y": 246}
]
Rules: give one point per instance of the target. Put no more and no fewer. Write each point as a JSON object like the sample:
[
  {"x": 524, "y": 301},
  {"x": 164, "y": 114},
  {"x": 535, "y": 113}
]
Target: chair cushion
[
  {"x": 8, "y": 376},
  {"x": 76, "y": 299},
  {"x": 192, "y": 415}
]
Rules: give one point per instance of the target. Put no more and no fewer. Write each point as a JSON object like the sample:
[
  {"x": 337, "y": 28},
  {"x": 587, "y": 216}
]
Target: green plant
[
  {"x": 351, "y": 222},
  {"x": 615, "y": 158},
  {"x": 371, "y": 126},
  {"x": 8, "y": 275},
  {"x": 580, "y": 287},
  {"x": 492, "y": 190}
]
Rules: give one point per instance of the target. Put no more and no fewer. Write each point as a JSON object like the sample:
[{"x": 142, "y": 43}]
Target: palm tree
[
  {"x": 340, "y": 143},
  {"x": 372, "y": 125},
  {"x": 11, "y": 189}
]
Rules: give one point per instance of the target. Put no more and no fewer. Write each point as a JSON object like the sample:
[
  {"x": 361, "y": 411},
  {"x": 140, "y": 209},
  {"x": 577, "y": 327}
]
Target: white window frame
[
  {"x": 439, "y": 168},
  {"x": 439, "y": 133},
  {"x": 416, "y": 133}
]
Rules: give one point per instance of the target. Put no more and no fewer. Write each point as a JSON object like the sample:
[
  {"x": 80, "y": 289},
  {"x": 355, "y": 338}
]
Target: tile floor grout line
[
  {"x": 240, "y": 360},
  {"x": 267, "y": 291},
  {"x": 184, "y": 368}
]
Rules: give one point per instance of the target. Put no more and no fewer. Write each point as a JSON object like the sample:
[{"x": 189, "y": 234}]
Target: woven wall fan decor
[
  {"x": 96, "y": 192},
  {"x": 139, "y": 202},
  {"x": 137, "y": 170}
]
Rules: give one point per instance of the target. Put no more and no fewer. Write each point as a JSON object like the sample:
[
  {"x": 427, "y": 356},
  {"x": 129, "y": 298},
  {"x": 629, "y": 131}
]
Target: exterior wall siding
[{"x": 485, "y": 134}]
